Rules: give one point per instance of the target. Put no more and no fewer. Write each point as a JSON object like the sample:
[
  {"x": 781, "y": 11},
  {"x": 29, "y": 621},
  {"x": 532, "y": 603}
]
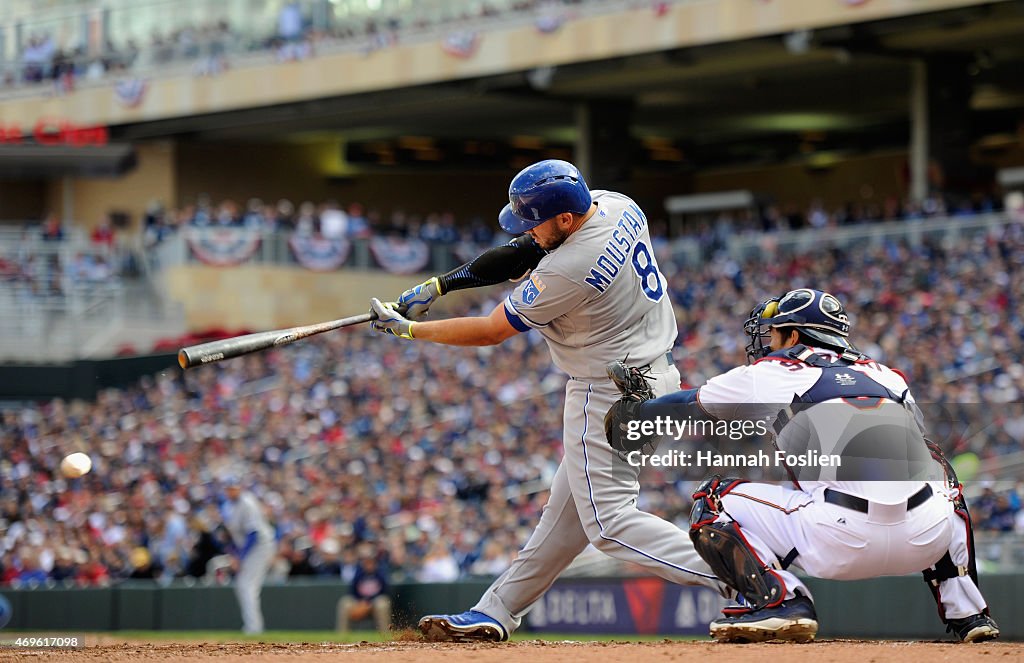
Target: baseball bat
[{"x": 205, "y": 353}]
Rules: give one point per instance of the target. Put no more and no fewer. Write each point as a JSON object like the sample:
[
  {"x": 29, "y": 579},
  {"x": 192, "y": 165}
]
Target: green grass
[{"x": 353, "y": 637}]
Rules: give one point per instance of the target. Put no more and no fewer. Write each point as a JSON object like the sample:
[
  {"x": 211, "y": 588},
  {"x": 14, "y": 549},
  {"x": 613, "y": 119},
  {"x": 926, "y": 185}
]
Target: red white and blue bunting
[
  {"x": 222, "y": 247},
  {"x": 320, "y": 254},
  {"x": 130, "y": 92},
  {"x": 461, "y": 44},
  {"x": 400, "y": 256},
  {"x": 549, "y": 22}
]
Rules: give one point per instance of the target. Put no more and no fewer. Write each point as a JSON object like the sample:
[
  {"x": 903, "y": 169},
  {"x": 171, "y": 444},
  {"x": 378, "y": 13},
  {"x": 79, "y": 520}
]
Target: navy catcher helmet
[
  {"x": 817, "y": 314},
  {"x": 541, "y": 191}
]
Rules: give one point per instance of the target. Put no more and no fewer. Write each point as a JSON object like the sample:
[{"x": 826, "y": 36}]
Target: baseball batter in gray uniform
[
  {"x": 596, "y": 296},
  {"x": 254, "y": 544}
]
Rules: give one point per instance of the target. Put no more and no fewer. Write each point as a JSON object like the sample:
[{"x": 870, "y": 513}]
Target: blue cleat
[{"x": 470, "y": 626}]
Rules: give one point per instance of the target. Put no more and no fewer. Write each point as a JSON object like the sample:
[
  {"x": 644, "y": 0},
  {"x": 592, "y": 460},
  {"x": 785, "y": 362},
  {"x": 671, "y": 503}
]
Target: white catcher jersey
[
  {"x": 599, "y": 297},
  {"x": 758, "y": 390}
]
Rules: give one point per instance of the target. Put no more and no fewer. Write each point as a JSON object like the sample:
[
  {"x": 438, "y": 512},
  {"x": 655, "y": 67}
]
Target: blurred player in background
[
  {"x": 254, "y": 548},
  {"x": 595, "y": 295}
]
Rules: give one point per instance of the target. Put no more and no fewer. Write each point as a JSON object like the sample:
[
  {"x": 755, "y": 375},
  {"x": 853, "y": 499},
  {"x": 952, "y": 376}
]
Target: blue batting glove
[
  {"x": 389, "y": 321},
  {"x": 415, "y": 301}
]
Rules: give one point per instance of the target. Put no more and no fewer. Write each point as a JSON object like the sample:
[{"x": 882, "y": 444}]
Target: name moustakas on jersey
[{"x": 619, "y": 249}]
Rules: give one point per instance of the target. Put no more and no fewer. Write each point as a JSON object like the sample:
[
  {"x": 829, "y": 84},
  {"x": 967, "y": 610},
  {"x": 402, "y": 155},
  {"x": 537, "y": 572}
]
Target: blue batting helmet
[
  {"x": 818, "y": 315},
  {"x": 541, "y": 191}
]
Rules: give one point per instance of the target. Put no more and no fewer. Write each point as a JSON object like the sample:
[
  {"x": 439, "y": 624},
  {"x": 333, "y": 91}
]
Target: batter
[{"x": 596, "y": 295}]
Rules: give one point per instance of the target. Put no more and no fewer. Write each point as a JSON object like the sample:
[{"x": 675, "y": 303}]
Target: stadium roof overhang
[
  {"x": 766, "y": 100},
  {"x": 52, "y": 161}
]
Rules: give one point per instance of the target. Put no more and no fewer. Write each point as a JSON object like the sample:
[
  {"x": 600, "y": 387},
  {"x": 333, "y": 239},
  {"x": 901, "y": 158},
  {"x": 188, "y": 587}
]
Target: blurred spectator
[
  {"x": 439, "y": 565},
  {"x": 299, "y": 556},
  {"x": 205, "y": 548},
  {"x": 103, "y": 233},
  {"x": 307, "y": 223},
  {"x": 328, "y": 562},
  {"x": 289, "y": 21},
  {"x": 52, "y": 231},
  {"x": 143, "y": 567},
  {"x": 333, "y": 221},
  {"x": 227, "y": 214},
  {"x": 253, "y": 217},
  {"x": 285, "y": 215},
  {"x": 358, "y": 225}
]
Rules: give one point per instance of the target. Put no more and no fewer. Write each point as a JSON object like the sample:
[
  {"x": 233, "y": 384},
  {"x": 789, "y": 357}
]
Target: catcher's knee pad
[{"x": 724, "y": 548}]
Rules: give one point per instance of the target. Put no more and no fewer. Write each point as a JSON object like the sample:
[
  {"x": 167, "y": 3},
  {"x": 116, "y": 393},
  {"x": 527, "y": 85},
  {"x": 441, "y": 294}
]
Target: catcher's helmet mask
[
  {"x": 542, "y": 191},
  {"x": 817, "y": 314}
]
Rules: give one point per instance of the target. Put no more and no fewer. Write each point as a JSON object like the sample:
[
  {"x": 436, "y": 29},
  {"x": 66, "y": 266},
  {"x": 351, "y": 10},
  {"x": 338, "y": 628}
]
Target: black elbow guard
[{"x": 502, "y": 263}]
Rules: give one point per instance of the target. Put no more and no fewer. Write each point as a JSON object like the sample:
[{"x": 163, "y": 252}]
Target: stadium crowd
[
  {"x": 296, "y": 34},
  {"x": 438, "y": 457},
  {"x": 355, "y": 220}
]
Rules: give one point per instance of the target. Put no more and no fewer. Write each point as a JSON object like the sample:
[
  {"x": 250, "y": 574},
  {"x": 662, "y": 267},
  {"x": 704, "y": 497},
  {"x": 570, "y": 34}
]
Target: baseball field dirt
[{"x": 840, "y": 651}]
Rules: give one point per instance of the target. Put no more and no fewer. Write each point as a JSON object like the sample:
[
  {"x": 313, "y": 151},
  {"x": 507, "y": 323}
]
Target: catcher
[{"x": 841, "y": 528}]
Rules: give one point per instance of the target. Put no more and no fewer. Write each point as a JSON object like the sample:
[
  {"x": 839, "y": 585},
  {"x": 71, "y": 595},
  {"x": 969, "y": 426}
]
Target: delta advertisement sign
[{"x": 644, "y": 606}]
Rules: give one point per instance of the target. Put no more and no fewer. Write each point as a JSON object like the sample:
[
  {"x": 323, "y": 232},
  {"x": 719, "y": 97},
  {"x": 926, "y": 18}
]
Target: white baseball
[{"x": 75, "y": 465}]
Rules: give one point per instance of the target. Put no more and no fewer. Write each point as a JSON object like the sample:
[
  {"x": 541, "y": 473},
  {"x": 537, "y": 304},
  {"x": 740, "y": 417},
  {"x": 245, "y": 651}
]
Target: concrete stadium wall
[
  {"x": 270, "y": 297},
  {"x": 86, "y": 200},
  {"x": 881, "y": 608}
]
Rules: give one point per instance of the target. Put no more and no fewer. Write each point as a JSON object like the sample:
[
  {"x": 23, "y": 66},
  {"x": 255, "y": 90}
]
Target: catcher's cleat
[
  {"x": 793, "y": 620},
  {"x": 976, "y": 628},
  {"x": 470, "y": 626},
  {"x": 631, "y": 381}
]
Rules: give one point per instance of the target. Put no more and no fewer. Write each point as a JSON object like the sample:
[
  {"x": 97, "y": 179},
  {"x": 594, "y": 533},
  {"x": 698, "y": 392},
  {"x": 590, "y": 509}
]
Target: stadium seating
[{"x": 440, "y": 457}]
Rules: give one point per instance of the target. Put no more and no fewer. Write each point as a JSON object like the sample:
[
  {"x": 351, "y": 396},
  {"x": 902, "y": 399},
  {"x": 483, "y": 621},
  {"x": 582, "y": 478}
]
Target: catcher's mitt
[{"x": 636, "y": 389}]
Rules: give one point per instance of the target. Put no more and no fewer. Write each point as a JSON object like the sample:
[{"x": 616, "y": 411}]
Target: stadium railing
[
  {"x": 58, "y": 299},
  {"x": 274, "y": 246},
  {"x": 747, "y": 244}
]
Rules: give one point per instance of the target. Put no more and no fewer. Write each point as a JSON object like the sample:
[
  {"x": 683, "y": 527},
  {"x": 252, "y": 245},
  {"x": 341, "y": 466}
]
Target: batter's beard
[{"x": 557, "y": 241}]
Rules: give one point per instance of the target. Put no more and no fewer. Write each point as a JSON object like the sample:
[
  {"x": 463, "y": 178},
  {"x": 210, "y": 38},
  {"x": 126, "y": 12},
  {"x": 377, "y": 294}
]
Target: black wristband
[{"x": 502, "y": 263}]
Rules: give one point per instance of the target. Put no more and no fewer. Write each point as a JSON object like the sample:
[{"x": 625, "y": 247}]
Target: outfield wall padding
[{"x": 879, "y": 608}]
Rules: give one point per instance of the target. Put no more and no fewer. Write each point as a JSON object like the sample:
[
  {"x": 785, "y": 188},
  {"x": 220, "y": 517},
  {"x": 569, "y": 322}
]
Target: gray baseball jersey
[
  {"x": 246, "y": 516},
  {"x": 599, "y": 297},
  {"x": 596, "y": 298}
]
